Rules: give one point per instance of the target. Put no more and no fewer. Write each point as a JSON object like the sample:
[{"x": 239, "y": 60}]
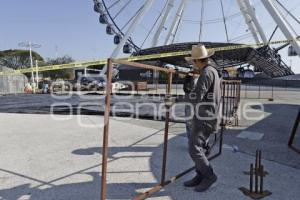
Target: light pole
[
  {"x": 31, "y": 46},
  {"x": 37, "y": 73}
]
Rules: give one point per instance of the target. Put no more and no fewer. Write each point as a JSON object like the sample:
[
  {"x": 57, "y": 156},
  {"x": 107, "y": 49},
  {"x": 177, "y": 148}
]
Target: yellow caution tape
[{"x": 138, "y": 58}]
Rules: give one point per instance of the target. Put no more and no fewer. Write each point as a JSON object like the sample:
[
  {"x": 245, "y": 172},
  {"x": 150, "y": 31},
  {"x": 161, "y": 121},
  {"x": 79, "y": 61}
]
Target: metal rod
[
  {"x": 235, "y": 95},
  {"x": 256, "y": 179},
  {"x": 223, "y": 104},
  {"x": 238, "y": 99},
  {"x": 239, "y": 92},
  {"x": 227, "y": 99},
  {"x": 291, "y": 140},
  {"x": 166, "y": 134},
  {"x": 232, "y": 99},
  {"x": 251, "y": 178},
  {"x": 158, "y": 187},
  {"x": 288, "y": 12},
  {"x": 149, "y": 192},
  {"x": 221, "y": 140},
  {"x": 224, "y": 21},
  {"x": 143, "y": 66},
  {"x": 261, "y": 179},
  {"x": 235, "y": 103},
  {"x": 106, "y": 129},
  {"x": 256, "y": 159},
  {"x": 259, "y": 159}
]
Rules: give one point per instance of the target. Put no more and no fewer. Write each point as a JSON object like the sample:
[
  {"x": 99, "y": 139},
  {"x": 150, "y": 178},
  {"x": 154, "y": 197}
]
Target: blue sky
[{"x": 71, "y": 27}]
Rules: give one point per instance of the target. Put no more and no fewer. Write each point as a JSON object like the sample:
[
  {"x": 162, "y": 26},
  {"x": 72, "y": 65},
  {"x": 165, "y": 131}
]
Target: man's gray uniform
[{"x": 205, "y": 98}]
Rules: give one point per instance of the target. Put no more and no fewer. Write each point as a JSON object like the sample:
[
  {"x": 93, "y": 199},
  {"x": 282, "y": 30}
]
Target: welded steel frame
[
  {"x": 110, "y": 63},
  {"x": 230, "y": 89}
]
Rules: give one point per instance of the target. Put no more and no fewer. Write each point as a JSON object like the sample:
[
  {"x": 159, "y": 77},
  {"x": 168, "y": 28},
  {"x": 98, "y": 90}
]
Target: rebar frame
[
  {"x": 257, "y": 173},
  {"x": 229, "y": 105}
]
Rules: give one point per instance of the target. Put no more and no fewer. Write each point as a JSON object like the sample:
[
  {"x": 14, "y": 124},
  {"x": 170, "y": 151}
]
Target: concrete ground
[{"x": 58, "y": 157}]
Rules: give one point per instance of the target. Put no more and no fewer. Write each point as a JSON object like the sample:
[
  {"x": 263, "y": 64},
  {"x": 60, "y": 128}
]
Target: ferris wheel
[{"x": 136, "y": 25}]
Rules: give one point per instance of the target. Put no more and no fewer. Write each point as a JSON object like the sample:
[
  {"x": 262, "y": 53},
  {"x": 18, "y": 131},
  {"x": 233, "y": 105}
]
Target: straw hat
[{"x": 199, "y": 52}]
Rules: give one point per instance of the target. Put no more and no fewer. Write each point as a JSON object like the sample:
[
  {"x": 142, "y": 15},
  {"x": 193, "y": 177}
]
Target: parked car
[
  {"x": 60, "y": 86},
  {"x": 90, "y": 83}
]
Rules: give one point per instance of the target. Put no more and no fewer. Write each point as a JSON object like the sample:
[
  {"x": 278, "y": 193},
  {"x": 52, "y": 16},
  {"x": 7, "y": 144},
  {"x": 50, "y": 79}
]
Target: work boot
[
  {"x": 206, "y": 183},
  {"x": 194, "y": 181}
]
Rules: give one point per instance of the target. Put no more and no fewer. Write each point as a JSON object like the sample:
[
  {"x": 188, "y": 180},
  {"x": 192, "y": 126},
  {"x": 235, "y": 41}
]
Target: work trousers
[{"x": 198, "y": 138}]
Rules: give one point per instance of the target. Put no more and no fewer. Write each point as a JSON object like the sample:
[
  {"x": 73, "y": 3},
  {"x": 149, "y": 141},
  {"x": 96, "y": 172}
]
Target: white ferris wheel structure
[{"x": 143, "y": 27}]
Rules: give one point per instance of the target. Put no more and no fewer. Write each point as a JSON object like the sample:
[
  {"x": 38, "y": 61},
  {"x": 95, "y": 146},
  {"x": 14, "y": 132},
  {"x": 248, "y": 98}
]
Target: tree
[
  {"x": 59, "y": 74},
  {"x": 18, "y": 59}
]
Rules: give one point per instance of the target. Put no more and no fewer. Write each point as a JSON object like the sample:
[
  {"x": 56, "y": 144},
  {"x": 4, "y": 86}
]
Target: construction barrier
[{"x": 230, "y": 104}]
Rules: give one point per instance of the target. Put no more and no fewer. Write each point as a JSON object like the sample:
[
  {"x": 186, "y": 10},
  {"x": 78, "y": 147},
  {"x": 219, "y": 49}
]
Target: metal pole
[
  {"x": 231, "y": 99},
  {"x": 227, "y": 103},
  {"x": 251, "y": 178},
  {"x": 256, "y": 172},
  {"x": 238, "y": 100},
  {"x": 166, "y": 134},
  {"x": 30, "y": 45},
  {"x": 31, "y": 61},
  {"x": 37, "y": 74},
  {"x": 31, "y": 66},
  {"x": 259, "y": 159},
  {"x": 261, "y": 179},
  {"x": 106, "y": 130},
  {"x": 223, "y": 120}
]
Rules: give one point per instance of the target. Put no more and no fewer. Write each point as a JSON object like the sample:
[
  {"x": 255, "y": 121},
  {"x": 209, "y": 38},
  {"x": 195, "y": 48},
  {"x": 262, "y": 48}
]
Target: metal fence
[
  {"x": 268, "y": 88},
  {"x": 231, "y": 96}
]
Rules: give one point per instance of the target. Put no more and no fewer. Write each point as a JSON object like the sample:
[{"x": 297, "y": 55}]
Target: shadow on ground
[
  {"x": 87, "y": 190},
  {"x": 276, "y": 128}
]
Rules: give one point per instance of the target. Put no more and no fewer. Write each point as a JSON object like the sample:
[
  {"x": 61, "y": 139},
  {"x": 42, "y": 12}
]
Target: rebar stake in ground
[{"x": 256, "y": 192}]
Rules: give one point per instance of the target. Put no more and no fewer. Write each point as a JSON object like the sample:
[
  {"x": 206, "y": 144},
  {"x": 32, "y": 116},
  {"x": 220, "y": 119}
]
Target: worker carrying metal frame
[{"x": 203, "y": 97}]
